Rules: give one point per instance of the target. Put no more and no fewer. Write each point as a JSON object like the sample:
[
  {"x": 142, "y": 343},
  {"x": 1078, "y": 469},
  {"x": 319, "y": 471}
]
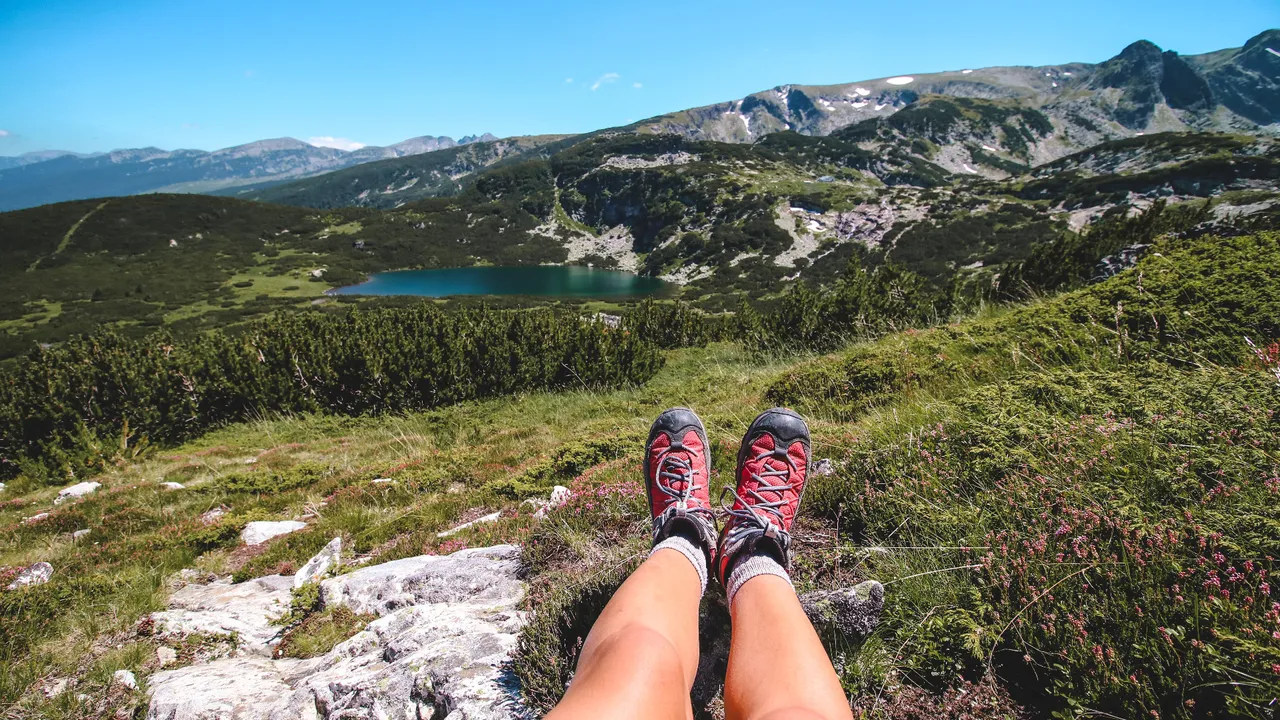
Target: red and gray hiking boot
[
  {"x": 677, "y": 464},
  {"x": 773, "y": 464}
]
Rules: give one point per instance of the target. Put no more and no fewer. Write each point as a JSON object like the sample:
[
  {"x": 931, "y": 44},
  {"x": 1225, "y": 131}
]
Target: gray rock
[
  {"x": 251, "y": 688},
  {"x": 35, "y": 518},
  {"x": 324, "y": 561},
  {"x": 824, "y": 468},
  {"x": 486, "y": 576},
  {"x": 37, "y": 574},
  {"x": 79, "y": 534},
  {"x": 56, "y": 687},
  {"x": 447, "y": 626},
  {"x": 173, "y": 486},
  {"x": 853, "y": 612},
  {"x": 212, "y": 516},
  {"x": 256, "y": 533},
  {"x": 559, "y": 497},
  {"x": 75, "y": 491},
  {"x": 609, "y": 321},
  {"x": 125, "y": 678},
  {"x": 2, "y": 487},
  {"x": 491, "y": 517},
  {"x": 166, "y": 656},
  {"x": 245, "y": 612}
]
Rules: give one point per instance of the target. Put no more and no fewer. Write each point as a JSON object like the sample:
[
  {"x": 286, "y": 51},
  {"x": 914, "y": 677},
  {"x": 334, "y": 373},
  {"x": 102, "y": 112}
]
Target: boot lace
[
  {"x": 674, "y": 469},
  {"x": 758, "y": 512}
]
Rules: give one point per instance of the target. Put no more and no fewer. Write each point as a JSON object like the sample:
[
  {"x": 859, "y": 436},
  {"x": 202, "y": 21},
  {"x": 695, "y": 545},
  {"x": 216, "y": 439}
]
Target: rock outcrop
[
  {"x": 36, "y": 574},
  {"x": 853, "y": 612},
  {"x": 445, "y": 629},
  {"x": 75, "y": 491},
  {"x": 256, "y": 533},
  {"x": 327, "y": 559}
]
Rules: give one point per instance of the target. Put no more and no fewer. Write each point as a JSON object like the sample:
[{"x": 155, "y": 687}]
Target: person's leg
[
  {"x": 641, "y": 655},
  {"x": 778, "y": 668}
]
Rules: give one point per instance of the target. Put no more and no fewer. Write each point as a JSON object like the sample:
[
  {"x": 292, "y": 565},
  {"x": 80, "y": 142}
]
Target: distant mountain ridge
[
  {"x": 1141, "y": 90},
  {"x": 45, "y": 177}
]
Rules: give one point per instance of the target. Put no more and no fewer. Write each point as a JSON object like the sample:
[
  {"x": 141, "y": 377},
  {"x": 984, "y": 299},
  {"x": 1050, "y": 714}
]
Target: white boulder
[
  {"x": 559, "y": 498},
  {"x": 173, "y": 486},
  {"x": 125, "y": 678},
  {"x": 37, "y": 574},
  {"x": 256, "y": 533},
  {"x": 324, "y": 561},
  {"x": 79, "y": 534},
  {"x": 446, "y": 628},
  {"x": 245, "y": 611},
  {"x": 75, "y": 491}
]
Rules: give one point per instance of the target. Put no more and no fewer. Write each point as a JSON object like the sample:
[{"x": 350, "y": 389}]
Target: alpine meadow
[{"x": 1030, "y": 314}]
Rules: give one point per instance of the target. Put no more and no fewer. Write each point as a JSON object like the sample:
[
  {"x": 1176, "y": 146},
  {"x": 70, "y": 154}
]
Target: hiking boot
[
  {"x": 677, "y": 463},
  {"x": 773, "y": 463}
]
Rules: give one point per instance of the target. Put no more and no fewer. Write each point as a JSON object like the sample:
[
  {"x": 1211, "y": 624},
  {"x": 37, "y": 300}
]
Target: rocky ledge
[{"x": 446, "y": 626}]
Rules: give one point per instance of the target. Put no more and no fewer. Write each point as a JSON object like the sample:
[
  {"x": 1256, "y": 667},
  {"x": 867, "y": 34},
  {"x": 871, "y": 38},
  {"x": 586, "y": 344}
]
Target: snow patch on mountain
[{"x": 904, "y": 80}]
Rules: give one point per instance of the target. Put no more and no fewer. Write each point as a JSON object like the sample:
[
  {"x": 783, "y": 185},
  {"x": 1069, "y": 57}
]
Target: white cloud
[
  {"x": 4, "y": 133},
  {"x": 636, "y": 85},
  {"x": 250, "y": 73},
  {"x": 336, "y": 143},
  {"x": 605, "y": 79},
  {"x": 568, "y": 81}
]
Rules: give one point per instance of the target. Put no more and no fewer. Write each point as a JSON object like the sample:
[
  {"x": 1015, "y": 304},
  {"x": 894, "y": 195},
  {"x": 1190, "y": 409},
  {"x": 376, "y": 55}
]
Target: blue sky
[{"x": 89, "y": 76}]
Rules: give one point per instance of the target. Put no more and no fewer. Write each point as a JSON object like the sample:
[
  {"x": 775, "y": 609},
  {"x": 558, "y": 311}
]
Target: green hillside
[
  {"x": 1070, "y": 502},
  {"x": 725, "y": 222}
]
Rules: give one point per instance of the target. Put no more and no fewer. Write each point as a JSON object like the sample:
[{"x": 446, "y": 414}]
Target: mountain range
[
  {"x": 53, "y": 176},
  {"x": 992, "y": 122}
]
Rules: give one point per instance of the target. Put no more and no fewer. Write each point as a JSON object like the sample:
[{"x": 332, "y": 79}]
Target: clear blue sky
[{"x": 87, "y": 76}]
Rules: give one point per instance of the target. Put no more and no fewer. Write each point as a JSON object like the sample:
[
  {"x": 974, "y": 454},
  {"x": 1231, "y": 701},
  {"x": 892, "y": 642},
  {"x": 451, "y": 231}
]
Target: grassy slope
[{"x": 1142, "y": 444}]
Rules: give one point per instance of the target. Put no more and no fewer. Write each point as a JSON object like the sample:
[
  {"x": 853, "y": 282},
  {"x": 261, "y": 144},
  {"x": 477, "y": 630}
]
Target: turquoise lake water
[{"x": 547, "y": 280}]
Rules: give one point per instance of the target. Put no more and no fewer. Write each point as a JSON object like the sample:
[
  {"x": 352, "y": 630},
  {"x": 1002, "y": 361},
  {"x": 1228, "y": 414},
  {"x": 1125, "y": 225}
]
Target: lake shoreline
[{"x": 532, "y": 280}]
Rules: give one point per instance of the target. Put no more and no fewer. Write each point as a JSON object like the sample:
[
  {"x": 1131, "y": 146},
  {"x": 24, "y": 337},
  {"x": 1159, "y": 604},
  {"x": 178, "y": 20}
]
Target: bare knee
[{"x": 639, "y": 646}]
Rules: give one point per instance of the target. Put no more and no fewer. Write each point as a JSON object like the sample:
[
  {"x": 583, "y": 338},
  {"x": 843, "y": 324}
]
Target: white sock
[
  {"x": 753, "y": 566},
  {"x": 689, "y": 549}
]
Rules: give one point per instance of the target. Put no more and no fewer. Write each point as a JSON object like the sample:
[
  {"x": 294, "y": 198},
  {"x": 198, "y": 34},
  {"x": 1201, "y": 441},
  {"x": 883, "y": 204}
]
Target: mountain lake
[{"x": 545, "y": 280}]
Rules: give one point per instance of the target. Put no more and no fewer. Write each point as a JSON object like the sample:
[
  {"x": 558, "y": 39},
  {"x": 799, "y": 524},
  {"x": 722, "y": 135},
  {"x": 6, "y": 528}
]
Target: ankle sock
[
  {"x": 690, "y": 550},
  {"x": 756, "y": 564}
]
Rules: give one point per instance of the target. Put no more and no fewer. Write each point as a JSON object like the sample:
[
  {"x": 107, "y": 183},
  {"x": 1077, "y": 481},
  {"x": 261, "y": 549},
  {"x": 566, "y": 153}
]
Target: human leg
[
  {"x": 641, "y": 655},
  {"x": 640, "y": 658},
  {"x": 778, "y": 668}
]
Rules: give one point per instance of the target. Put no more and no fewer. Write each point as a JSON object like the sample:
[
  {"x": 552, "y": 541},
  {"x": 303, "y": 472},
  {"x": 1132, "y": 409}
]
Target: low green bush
[{"x": 102, "y": 397}]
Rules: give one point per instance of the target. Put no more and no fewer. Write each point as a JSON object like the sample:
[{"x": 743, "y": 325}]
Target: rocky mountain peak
[{"x": 1264, "y": 39}]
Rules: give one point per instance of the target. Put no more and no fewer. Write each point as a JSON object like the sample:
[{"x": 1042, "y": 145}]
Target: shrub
[{"x": 102, "y": 397}]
